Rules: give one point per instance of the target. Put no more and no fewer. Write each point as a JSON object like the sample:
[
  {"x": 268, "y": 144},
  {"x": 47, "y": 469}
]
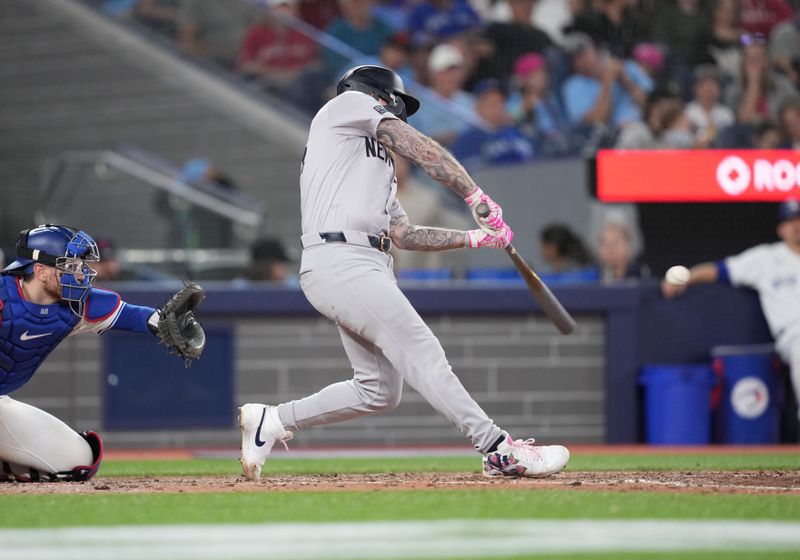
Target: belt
[{"x": 380, "y": 242}]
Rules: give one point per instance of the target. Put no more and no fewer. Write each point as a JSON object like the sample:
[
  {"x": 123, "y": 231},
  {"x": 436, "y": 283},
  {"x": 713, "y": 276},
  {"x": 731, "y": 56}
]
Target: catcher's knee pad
[{"x": 79, "y": 473}]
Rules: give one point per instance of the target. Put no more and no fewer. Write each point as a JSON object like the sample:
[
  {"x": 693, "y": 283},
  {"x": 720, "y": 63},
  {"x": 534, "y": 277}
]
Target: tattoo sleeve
[
  {"x": 427, "y": 154},
  {"x": 421, "y": 238}
]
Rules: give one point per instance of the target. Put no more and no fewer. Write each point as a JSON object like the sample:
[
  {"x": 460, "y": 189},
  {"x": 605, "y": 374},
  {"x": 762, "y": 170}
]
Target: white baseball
[{"x": 677, "y": 275}]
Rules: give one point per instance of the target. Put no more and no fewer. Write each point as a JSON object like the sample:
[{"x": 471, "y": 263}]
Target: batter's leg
[
  {"x": 31, "y": 438},
  {"x": 368, "y": 303},
  {"x": 376, "y": 387}
]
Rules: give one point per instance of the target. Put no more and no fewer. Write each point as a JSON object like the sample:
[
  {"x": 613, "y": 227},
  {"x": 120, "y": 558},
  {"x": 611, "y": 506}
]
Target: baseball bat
[{"x": 549, "y": 303}]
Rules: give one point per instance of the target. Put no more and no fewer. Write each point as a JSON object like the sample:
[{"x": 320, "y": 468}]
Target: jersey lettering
[{"x": 376, "y": 149}]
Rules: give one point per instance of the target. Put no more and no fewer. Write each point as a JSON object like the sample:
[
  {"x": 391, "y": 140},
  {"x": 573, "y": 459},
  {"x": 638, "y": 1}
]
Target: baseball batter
[
  {"x": 350, "y": 219},
  {"x": 774, "y": 271},
  {"x": 45, "y": 296}
]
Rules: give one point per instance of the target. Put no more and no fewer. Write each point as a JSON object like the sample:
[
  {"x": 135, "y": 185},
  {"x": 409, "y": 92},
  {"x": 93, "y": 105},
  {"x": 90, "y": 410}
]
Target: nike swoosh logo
[
  {"x": 260, "y": 442},
  {"x": 26, "y": 336}
]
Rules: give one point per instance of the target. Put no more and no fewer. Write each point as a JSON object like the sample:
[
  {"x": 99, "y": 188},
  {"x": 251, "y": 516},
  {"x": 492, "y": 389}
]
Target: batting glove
[
  {"x": 480, "y": 238},
  {"x": 494, "y": 220}
]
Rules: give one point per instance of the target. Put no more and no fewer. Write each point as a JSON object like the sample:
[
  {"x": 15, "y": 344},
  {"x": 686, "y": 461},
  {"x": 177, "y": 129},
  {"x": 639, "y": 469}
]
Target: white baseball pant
[{"x": 31, "y": 438}]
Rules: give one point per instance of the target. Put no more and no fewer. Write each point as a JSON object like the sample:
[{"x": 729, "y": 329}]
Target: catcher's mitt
[{"x": 177, "y": 328}]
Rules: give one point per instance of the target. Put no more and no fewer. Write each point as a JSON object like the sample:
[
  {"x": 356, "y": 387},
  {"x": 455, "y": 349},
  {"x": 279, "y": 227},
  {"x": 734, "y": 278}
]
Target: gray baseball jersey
[
  {"x": 348, "y": 184},
  {"x": 348, "y": 178}
]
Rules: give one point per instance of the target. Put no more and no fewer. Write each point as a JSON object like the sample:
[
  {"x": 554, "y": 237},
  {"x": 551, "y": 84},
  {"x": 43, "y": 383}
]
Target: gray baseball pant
[{"x": 386, "y": 341}]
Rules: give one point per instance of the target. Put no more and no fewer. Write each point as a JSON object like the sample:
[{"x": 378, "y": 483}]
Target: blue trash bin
[
  {"x": 750, "y": 399},
  {"x": 677, "y": 402}
]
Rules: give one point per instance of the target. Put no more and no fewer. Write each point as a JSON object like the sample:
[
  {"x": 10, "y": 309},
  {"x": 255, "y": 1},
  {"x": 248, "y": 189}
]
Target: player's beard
[{"x": 52, "y": 286}]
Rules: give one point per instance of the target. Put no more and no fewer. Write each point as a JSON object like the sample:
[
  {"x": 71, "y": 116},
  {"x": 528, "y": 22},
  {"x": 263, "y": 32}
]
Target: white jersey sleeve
[
  {"x": 747, "y": 268},
  {"x": 356, "y": 113},
  {"x": 774, "y": 270}
]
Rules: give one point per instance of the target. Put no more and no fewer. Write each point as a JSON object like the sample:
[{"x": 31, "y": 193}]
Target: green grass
[
  {"x": 263, "y": 507},
  {"x": 219, "y": 467},
  {"x": 95, "y": 507}
]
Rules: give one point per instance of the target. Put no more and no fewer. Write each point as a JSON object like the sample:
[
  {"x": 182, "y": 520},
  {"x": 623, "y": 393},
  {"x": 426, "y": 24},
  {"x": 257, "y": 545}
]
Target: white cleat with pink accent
[
  {"x": 261, "y": 429},
  {"x": 520, "y": 458}
]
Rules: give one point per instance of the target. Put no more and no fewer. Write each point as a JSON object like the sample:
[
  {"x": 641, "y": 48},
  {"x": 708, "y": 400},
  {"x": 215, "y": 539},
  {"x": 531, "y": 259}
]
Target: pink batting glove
[
  {"x": 480, "y": 238},
  {"x": 494, "y": 220}
]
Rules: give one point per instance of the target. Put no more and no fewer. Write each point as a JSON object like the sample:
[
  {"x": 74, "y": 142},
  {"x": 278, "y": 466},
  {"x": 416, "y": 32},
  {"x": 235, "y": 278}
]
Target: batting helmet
[
  {"x": 64, "y": 248},
  {"x": 383, "y": 83}
]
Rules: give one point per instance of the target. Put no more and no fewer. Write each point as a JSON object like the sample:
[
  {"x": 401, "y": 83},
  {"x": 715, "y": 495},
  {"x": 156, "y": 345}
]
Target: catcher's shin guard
[{"x": 79, "y": 473}]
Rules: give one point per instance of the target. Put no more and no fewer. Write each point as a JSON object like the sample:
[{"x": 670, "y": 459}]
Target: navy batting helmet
[
  {"x": 62, "y": 247},
  {"x": 383, "y": 83}
]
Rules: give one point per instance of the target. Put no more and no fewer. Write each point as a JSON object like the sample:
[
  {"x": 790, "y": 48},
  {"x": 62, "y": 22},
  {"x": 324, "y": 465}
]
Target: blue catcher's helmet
[{"x": 66, "y": 249}]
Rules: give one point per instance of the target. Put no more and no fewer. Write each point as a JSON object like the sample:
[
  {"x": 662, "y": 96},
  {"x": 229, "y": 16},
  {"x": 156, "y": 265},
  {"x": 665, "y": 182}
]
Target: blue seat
[
  {"x": 505, "y": 275},
  {"x": 426, "y": 274}
]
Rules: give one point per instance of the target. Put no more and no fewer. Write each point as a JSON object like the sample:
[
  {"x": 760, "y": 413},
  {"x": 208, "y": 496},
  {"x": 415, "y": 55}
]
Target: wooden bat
[{"x": 548, "y": 302}]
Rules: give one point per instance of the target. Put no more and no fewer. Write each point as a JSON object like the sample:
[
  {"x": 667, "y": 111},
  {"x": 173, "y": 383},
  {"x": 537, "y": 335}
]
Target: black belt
[{"x": 381, "y": 243}]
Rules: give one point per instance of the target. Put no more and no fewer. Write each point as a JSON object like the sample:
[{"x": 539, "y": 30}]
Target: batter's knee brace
[{"x": 79, "y": 473}]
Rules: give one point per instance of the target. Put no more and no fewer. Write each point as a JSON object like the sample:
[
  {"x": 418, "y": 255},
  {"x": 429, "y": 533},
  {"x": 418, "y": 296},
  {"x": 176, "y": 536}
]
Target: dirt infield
[{"x": 701, "y": 482}]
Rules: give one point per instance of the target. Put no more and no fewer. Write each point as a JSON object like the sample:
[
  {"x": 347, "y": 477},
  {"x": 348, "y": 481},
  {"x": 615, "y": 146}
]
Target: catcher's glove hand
[{"x": 177, "y": 328}]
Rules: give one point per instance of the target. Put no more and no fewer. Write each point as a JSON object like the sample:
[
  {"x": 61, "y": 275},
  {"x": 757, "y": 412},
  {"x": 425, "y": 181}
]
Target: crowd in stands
[{"x": 572, "y": 75}]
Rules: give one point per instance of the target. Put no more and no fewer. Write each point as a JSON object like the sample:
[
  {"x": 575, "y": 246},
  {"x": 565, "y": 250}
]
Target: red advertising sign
[{"x": 697, "y": 175}]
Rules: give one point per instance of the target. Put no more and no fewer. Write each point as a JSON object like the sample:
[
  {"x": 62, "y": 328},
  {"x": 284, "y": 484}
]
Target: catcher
[{"x": 45, "y": 296}]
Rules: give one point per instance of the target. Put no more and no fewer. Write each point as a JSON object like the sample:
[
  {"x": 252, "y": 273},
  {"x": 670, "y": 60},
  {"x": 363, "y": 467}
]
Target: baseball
[{"x": 677, "y": 275}]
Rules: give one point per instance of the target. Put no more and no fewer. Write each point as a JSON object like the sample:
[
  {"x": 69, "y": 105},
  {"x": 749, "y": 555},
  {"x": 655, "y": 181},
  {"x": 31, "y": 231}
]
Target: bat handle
[{"x": 483, "y": 210}]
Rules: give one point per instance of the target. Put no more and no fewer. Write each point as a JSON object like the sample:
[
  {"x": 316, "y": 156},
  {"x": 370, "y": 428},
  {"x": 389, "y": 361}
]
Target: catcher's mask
[
  {"x": 66, "y": 249},
  {"x": 380, "y": 82}
]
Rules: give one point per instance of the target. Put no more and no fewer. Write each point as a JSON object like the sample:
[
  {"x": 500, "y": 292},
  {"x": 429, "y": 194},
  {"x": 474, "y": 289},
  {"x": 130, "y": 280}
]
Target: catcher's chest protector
[{"x": 28, "y": 333}]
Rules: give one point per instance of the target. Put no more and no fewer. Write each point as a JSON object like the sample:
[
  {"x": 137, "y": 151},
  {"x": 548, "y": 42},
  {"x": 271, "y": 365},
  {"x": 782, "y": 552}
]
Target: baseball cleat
[
  {"x": 518, "y": 458},
  {"x": 261, "y": 428}
]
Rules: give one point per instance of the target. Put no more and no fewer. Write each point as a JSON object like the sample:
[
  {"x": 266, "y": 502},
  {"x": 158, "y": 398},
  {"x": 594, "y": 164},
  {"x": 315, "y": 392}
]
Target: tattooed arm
[
  {"x": 427, "y": 154},
  {"x": 421, "y": 238}
]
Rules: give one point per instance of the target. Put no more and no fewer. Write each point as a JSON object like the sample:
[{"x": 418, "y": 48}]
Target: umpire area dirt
[{"x": 700, "y": 482}]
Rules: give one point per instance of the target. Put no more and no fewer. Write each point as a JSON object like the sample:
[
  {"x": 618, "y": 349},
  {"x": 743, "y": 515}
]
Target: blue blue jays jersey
[{"x": 29, "y": 331}]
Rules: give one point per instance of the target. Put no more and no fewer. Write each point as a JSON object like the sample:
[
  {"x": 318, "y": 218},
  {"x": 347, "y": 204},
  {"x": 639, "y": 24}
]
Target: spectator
[
  {"x": 536, "y": 107},
  {"x": 435, "y": 21},
  {"x": 269, "y": 261},
  {"x": 275, "y": 53},
  {"x": 213, "y": 29},
  {"x": 358, "y": 28},
  {"x": 613, "y": 25},
  {"x": 649, "y": 59},
  {"x": 706, "y": 114},
  {"x": 446, "y": 70},
  {"x": 562, "y": 249},
  {"x": 790, "y": 122},
  {"x": 108, "y": 267},
  {"x": 767, "y": 136},
  {"x": 784, "y": 49},
  {"x": 615, "y": 254},
  {"x": 644, "y": 135},
  {"x": 602, "y": 90},
  {"x": 158, "y": 15},
  {"x": 719, "y": 43},
  {"x": 503, "y": 143},
  {"x": 676, "y": 130},
  {"x": 193, "y": 226},
  {"x": 760, "y": 16},
  {"x": 200, "y": 170},
  {"x": 680, "y": 26},
  {"x": 761, "y": 91},
  {"x": 510, "y": 40},
  {"x": 319, "y": 13},
  {"x": 774, "y": 271}
]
